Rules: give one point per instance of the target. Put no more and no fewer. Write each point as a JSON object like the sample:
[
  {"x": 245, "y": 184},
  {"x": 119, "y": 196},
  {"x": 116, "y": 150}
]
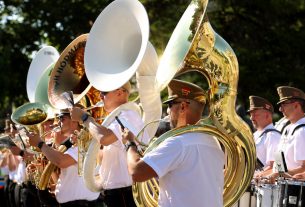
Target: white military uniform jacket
[
  {"x": 293, "y": 144},
  {"x": 266, "y": 142}
]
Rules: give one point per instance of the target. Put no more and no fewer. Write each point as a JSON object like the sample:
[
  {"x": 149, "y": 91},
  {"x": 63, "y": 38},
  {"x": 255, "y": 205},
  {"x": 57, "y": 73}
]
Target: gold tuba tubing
[{"x": 194, "y": 46}]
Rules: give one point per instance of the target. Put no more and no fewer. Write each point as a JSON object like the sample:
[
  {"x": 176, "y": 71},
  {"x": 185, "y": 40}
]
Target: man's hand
[
  {"x": 28, "y": 156},
  {"x": 34, "y": 139},
  {"x": 299, "y": 176},
  {"x": 76, "y": 114},
  {"x": 13, "y": 131},
  {"x": 127, "y": 136}
]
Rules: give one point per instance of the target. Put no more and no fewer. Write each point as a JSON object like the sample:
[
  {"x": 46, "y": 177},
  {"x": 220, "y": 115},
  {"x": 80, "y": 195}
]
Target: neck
[
  {"x": 262, "y": 127},
  {"x": 296, "y": 117}
]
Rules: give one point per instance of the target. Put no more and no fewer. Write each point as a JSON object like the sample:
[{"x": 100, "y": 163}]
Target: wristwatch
[
  {"x": 84, "y": 117},
  {"x": 40, "y": 144},
  {"x": 130, "y": 144}
]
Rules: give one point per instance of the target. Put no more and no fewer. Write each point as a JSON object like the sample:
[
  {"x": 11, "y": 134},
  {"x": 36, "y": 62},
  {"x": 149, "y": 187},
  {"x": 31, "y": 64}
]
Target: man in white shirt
[
  {"x": 266, "y": 136},
  {"x": 70, "y": 188},
  {"x": 188, "y": 164},
  {"x": 292, "y": 142},
  {"x": 113, "y": 172}
]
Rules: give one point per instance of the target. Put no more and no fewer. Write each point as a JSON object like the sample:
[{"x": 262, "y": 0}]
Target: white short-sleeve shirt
[
  {"x": 70, "y": 186},
  {"x": 293, "y": 145},
  {"x": 20, "y": 175},
  {"x": 190, "y": 170},
  {"x": 266, "y": 144},
  {"x": 114, "y": 171}
]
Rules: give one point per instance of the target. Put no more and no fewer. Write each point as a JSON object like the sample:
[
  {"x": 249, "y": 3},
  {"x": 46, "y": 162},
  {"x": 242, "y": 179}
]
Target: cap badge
[{"x": 185, "y": 91}]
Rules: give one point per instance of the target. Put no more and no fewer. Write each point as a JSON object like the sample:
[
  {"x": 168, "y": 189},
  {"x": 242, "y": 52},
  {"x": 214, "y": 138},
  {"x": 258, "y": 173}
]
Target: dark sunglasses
[
  {"x": 62, "y": 117},
  {"x": 104, "y": 93},
  {"x": 171, "y": 103},
  {"x": 287, "y": 102}
]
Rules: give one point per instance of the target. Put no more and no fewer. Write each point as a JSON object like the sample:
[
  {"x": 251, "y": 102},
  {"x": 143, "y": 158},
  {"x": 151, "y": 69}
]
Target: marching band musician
[
  {"x": 114, "y": 173},
  {"x": 266, "y": 137},
  {"x": 188, "y": 164},
  {"x": 292, "y": 105},
  {"x": 70, "y": 188},
  {"x": 24, "y": 193}
]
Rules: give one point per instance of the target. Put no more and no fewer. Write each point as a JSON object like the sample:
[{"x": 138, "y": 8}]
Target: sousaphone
[
  {"x": 116, "y": 49},
  {"x": 40, "y": 63},
  {"x": 195, "y": 47},
  {"x": 68, "y": 74}
]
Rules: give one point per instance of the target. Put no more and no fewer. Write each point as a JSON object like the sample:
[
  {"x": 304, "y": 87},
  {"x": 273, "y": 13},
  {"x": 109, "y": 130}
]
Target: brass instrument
[
  {"x": 117, "y": 53},
  {"x": 83, "y": 142},
  {"x": 194, "y": 46},
  {"x": 38, "y": 68},
  {"x": 69, "y": 75},
  {"x": 32, "y": 115}
]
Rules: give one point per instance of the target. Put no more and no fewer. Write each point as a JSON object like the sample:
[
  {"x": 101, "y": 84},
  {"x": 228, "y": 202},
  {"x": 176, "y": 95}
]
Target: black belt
[
  {"x": 118, "y": 190},
  {"x": 78, "y": 203}
]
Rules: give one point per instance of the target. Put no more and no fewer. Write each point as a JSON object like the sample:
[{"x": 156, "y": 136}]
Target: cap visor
[{"x": 169, "y": 100}]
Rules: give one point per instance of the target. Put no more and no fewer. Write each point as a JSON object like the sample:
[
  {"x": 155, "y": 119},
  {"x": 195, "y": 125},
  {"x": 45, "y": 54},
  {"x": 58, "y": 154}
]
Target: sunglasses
[
  {"x": 62, "y": 117},
  {"x": 171, "y": 103},
  {"x": 287, "y": 102},
  {"x": 104, "y": 93}
]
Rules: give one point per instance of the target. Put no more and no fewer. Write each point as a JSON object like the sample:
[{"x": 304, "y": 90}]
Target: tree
[{"x": 267, "y": 39}]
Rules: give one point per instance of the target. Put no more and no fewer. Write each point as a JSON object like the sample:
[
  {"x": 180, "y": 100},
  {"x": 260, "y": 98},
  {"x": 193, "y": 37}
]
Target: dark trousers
[
  {"x": 80, "y": 203},
  {"x": 3, "y": 196},
  {"x": 6, "y": 191},
  {"x": 120, "y": 197},
  {"x": 11, "y": 194},
  {"x": 47, "y": 199},
  {"x": 29, "y": 196},
  {"x": 17, "y": 195}
]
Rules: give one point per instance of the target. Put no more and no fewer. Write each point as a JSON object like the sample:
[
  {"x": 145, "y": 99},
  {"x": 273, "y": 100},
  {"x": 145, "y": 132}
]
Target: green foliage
[{"x": 267, "y": 39}]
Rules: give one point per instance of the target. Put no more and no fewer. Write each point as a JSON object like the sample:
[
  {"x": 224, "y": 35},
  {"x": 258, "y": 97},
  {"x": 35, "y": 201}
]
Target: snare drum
[
  {"x": 247, "y": 199},
  {"x": 292, "y": 193},
  {"x": 267, "y": 195}
]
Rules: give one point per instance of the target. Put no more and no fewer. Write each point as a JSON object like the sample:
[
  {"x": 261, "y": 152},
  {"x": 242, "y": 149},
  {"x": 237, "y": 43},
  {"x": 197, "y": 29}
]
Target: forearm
[
  {"x": 52, "y": 155},
  {"x": 299, "y": 169},
  {"x": 265, "y": 173},
  {"x": 3, "y": 162},
  {"x": 133, "y": 158},
  {"x": 12, "y": 165},
  {"x": 137, "y": 168},
  {"x": 267, "y": 168}
]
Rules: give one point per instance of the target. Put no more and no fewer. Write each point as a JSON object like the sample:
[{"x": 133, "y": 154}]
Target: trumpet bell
[
  {"x": 39, "y": 64},
  {"x": 116, "y": 46},
  {"x": 31, "y": 114},
  {"x": 69, "y": 74}
]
